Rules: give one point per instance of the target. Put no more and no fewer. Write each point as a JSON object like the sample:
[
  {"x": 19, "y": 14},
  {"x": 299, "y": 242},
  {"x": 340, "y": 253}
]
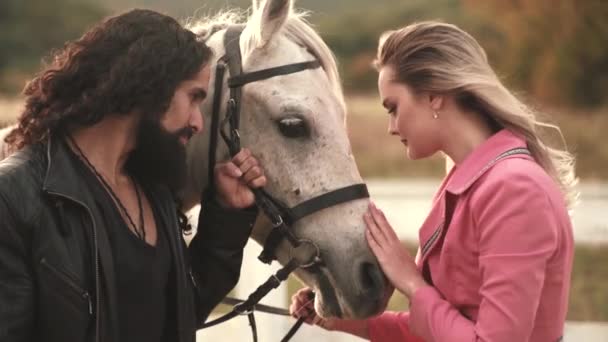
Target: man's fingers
[
  {"x": 253, "y": 173},
  {"x": 248, "y": 164},
  {"x": 229, "y": 169},
  {"x": 240, "y": 157}
]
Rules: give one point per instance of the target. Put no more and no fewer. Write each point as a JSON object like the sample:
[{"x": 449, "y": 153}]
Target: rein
[{"x": 281, "y": 217}]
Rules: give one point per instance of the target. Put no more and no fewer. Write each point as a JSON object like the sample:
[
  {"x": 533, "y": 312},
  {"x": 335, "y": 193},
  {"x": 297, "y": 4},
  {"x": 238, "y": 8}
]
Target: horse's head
[{"x": 295, "y": 125}]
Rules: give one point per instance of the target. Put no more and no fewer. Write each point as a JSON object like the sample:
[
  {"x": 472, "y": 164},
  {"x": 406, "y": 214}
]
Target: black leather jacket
[{"x": 57, "y": 282}]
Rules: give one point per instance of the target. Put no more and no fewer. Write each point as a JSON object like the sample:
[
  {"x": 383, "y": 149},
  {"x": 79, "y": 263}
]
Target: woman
[{"x": 496, "y": 249}]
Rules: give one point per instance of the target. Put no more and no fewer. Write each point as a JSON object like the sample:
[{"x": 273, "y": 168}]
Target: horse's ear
[{"x": 273, "y": 16}]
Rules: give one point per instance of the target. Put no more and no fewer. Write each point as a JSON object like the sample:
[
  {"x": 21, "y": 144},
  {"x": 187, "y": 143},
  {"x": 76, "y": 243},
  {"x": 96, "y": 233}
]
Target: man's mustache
[{"x": 186, "y": 132}]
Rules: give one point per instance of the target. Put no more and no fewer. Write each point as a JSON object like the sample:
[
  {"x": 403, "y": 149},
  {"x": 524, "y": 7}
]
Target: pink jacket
[{"x": 500, "y": 264}]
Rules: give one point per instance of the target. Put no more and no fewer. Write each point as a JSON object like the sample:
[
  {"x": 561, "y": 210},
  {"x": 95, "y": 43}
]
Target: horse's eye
[{"x": 293, "y": 127}]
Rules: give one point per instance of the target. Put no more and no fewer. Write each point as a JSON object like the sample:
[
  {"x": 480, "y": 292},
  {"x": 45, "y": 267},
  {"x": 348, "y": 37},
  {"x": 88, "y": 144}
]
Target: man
[{"x": 90, "y": 245}]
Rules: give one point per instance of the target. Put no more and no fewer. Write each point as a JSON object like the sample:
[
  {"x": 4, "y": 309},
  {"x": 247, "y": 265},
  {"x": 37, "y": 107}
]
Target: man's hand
[{"x": 234, "y": 180}]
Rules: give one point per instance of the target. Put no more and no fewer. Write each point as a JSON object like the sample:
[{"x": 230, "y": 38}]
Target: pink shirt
[{"x": 500, "y": 267}]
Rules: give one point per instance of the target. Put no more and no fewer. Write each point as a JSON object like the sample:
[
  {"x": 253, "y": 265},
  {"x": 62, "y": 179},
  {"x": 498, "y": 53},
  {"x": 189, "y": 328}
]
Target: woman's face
[{"x": 411, "y": 116}]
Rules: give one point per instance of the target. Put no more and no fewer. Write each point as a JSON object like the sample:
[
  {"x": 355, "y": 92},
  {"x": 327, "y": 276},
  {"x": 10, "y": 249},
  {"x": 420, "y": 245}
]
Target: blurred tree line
[
  {"x": 29, "y": 29},
  {"x": 555, "y": 51}
]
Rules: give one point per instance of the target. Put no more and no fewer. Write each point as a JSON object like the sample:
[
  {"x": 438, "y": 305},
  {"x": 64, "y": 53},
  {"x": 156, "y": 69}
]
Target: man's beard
[{"x": 160, "y": 157}]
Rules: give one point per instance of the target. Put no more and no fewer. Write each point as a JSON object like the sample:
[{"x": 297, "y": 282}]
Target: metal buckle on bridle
[
  {"x": 278, "y": 223},
  {"x": 315, "y": 259},
  {"x": 233, "y": 137}
]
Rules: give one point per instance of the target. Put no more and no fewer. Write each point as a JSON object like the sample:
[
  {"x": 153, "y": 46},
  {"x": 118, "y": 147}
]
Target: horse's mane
[{"x": 296, "y": 28}]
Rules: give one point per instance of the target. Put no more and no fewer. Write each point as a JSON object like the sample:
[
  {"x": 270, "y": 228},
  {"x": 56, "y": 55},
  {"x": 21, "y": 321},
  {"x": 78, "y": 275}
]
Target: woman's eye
[{"x": 293, "y": 127}]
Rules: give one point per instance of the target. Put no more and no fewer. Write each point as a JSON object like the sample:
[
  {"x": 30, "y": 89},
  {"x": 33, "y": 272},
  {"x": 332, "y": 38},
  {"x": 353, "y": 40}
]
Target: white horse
[{"x": 314, "y": 160}]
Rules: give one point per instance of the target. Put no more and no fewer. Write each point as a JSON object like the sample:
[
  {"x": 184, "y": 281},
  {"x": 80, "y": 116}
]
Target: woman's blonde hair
[{"x": 441, "y": 58}]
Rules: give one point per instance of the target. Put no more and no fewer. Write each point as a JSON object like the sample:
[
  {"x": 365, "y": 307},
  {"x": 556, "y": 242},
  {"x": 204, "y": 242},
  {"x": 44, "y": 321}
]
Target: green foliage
[
  {"x": 353, "y": 35},
  {"x": 30, "y": 29},
  {"x": 555, "y": 51},
  {"x": 583, "y": 59}
]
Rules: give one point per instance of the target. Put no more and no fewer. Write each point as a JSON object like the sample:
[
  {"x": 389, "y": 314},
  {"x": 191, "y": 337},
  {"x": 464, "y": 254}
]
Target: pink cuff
[
  {"x": 391, "y": 326},
  {"x": 420, "y": 303}
]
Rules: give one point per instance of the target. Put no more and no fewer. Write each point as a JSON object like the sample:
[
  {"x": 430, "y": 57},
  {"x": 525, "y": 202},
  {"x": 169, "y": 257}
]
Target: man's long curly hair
[{"x": 126, "y": 63}]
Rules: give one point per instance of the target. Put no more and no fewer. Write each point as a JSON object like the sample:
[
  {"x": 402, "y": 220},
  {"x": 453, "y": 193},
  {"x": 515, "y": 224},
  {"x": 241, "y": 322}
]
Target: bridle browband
[{"x": 281, "y": 217}]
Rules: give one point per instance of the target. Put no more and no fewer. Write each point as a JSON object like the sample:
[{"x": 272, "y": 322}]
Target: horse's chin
[{"x": 327, "y": 307}]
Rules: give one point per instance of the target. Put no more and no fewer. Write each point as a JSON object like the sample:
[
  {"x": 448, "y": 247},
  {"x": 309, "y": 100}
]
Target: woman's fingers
[
  {"x": 302, "y": 305},
  {"x": 371, "y": 241},
  {"x": 382, "y": 223},
  {"x": 373, "y": 229}
]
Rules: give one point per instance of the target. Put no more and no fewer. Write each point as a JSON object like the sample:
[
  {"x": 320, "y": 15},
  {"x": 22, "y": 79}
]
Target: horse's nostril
[{"x": 372, "y": 280}]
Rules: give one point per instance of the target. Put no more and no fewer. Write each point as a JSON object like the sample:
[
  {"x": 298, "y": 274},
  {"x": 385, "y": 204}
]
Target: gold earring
[{"x": 435, "y": 114}]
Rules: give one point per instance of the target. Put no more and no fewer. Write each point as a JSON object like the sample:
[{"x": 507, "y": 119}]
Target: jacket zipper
[
  {"x": 431, "y": 241},
  {"x": 96, "y": 256},
  {"x": 66, "y": 279}
]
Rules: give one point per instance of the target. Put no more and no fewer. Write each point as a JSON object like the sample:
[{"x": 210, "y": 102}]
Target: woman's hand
[
  {"x": 234, "y": 180},
  {"x": 302, "y": 305},
  {"x": 396, "y": 263}
]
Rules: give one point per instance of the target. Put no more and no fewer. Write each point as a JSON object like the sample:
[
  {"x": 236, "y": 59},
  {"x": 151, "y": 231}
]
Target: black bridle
[{"x": 282, "y": 217}]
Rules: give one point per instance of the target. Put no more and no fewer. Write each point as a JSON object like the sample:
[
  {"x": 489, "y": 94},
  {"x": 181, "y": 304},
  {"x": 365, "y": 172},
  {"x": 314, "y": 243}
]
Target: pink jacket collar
[{"x": 481, "y": 159}]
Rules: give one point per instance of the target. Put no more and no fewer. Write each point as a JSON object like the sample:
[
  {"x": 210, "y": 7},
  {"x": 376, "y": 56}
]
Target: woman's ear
[{"x": 436, "y": 102}]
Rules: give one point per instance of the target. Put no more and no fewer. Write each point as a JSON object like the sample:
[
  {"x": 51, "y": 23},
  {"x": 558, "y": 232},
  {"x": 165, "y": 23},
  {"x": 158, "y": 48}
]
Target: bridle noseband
[{"x": 282, "y": 217}]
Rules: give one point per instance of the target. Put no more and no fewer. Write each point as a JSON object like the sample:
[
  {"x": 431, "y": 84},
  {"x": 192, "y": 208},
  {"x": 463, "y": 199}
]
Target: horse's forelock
[
  {"x": 296, "y": 29},
  {"x": 204, "y": 27}
]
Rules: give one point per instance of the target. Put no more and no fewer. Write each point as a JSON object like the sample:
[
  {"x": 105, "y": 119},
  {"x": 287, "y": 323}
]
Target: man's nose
[{"x": 196, "y": 120}]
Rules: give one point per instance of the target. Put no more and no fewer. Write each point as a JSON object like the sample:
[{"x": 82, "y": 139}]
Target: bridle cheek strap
[{"x": 282, "y": 218}]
